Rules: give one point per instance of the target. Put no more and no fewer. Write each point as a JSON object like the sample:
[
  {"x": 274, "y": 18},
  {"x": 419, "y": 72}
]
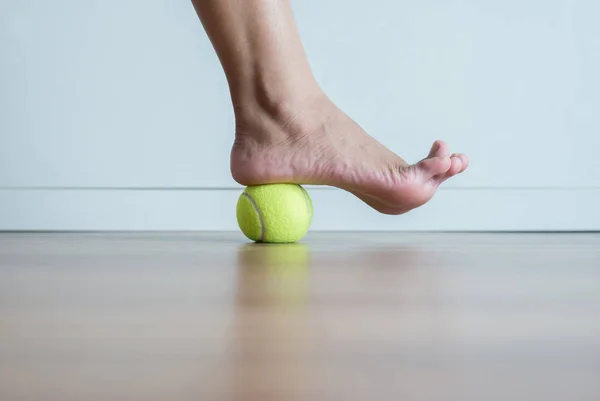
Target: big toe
[{"x": 439, "y": 149}]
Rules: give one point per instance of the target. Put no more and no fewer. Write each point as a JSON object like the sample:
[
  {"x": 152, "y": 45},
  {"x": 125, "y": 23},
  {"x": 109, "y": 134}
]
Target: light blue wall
[{"x": 129, "y": 93}]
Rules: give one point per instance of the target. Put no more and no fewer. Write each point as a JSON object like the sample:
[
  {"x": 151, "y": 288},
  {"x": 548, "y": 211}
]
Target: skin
[{"x": 289, "y": 131}]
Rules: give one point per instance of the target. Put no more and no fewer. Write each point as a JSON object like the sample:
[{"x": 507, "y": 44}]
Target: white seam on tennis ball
[
  {"x": 305, "y": 194},
  {"x": 260, "y": 217}
]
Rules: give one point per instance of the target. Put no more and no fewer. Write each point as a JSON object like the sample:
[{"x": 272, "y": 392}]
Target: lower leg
[
  {"x": 287, "y": 130},
  {"x": 260, "y": 51}
]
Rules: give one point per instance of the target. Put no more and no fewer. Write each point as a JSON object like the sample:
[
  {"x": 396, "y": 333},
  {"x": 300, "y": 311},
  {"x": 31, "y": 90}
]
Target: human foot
[{"x": 318, "y": 144}]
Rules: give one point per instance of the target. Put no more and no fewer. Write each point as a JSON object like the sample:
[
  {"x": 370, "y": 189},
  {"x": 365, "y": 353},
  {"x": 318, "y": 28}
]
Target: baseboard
[{"x": 214, "y": 209}]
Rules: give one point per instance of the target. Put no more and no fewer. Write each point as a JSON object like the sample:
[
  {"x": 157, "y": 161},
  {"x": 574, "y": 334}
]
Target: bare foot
[{"x": 318, "y": 144}]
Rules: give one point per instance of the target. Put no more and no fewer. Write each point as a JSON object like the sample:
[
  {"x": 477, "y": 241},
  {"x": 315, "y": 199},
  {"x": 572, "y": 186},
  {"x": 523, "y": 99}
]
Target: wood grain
[{"x": 365, "y": 316}]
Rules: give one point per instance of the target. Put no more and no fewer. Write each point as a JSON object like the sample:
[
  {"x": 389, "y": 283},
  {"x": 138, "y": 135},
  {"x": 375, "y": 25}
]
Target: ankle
[
  {"x": 264, "y": 114},
  {"x": 277, "y": 98}
]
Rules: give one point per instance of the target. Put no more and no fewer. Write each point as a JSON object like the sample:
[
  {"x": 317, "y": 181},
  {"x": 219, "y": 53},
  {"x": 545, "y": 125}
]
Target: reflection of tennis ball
[
  {"x": 274, "y": 259},
  {"x": 274, "y": 212},
  {"x": 277, "y": 274}
]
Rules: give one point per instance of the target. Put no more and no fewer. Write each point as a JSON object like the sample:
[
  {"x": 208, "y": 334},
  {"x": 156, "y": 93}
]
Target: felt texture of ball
[{"x": 274, "y": 213}]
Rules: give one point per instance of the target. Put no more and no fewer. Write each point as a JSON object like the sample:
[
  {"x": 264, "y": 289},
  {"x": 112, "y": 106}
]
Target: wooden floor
[{"x": 367, "y": 316}]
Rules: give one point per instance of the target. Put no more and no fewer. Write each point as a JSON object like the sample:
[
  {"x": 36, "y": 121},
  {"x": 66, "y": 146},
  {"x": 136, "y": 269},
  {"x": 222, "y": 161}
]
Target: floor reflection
[
  {"x": 273, "y": 337},
  {"x": 273, "y": 275}
]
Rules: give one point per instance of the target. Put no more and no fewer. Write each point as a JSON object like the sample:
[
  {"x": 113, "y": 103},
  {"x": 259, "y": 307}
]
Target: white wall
[{"x": 119, "y": 109}]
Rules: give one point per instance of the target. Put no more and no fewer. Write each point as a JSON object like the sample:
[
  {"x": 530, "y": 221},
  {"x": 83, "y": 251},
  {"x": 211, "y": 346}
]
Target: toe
[
  {"x": 465, "y": 162},
  {"x": 455, "y": 166},
  {"x": 434, "y": 166},
  {"x": 438, "y": 149}
]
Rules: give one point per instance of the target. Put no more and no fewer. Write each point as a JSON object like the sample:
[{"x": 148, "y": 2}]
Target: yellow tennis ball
[{"x": 274, "y": 212}]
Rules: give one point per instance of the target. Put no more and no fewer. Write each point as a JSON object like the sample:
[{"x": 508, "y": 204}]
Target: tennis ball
[{"x": 274, "y": 212}]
